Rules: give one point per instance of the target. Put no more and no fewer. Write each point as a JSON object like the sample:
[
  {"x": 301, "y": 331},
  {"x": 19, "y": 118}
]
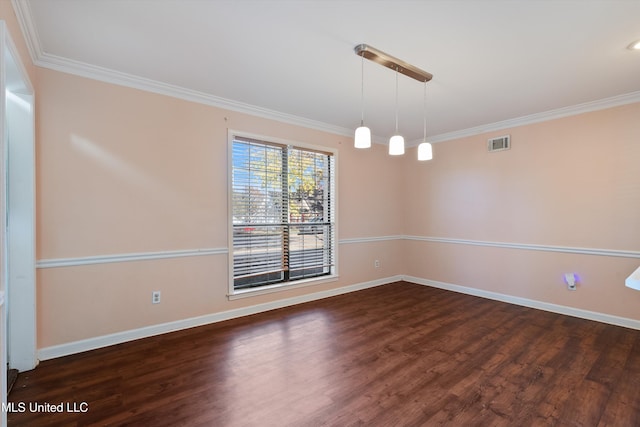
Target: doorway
[
  {"x": 20, "y": 243},
  {"x": 17, "y": 216}
]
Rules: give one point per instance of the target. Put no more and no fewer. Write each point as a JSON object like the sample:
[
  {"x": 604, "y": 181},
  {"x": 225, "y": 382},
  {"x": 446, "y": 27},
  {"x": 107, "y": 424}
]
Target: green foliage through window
[{"x": 283, "y": 213}]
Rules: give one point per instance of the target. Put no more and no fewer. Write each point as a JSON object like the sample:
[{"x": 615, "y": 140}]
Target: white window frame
[{"x": 278, "y": 287}]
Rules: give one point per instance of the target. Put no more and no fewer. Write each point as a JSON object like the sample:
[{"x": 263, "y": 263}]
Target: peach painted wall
[
  {"x": 569, "y": 182},
  {"x": 123, "y": 171}
]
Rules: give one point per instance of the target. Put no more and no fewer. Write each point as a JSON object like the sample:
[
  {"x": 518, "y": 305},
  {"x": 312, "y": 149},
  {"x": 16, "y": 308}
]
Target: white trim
[
  {"x": 573, "y": 110},
  {"x": 4, "y": 329},
  {"x": 280, "y": 287},
  {"x": 65, "y": 65},
  {"x": 25, "y": 19},
  {"x": 82, "y": 69},
  {"x": 102, "y": 74},
  {"x": 1, "y": 298},
  {"x": 142, "y": 256},
  {"x": 531, "y": 247},
  {"x": 525, "y": 302},
  {"x": 357, "y": 240},
  {"x": 122, "y": 79},
  {"x": 19, "y": 242},
  {"x": 231, "y": 135},
  {"x": 148, "y": 331},
  {"x": 74, "y": 347}
]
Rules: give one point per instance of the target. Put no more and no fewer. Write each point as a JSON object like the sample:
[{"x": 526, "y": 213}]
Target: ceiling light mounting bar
[{"x": 375, "y": 55}]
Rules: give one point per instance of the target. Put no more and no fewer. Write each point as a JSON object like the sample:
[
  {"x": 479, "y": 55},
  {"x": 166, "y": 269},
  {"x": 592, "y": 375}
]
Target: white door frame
[{"x": 17, "y": 205}]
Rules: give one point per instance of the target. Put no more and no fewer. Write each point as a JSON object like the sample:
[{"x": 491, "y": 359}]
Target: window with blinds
[{"x": 283, "y": 213}]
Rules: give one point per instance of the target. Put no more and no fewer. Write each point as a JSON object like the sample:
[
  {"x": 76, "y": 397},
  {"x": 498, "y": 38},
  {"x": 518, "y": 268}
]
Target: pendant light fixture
[
  {"x": 425, "y": 151},
  {"x": 396, "y": 143},
  {"x": 362, "y": 137}
]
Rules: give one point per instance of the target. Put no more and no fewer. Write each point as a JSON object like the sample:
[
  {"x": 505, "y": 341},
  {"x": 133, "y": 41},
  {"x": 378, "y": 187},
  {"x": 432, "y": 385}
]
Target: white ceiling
[{"x": 492, "y": 61}]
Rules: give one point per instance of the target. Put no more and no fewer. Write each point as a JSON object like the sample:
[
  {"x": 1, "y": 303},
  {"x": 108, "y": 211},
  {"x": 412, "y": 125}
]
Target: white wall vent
[{"x": 500, "y": 143}]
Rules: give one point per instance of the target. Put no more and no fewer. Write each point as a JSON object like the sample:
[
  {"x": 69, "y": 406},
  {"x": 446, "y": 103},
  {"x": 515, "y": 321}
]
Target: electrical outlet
[
  {"x": 376, "y": 263},
  {"x": 155, "y": 297}
]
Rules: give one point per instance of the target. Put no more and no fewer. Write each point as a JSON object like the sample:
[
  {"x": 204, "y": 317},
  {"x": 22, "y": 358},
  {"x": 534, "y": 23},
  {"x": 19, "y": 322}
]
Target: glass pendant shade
[
  {"x": 396, "y": 145},
  {"x": 425, "y": 151},
  {"x": 363, "y": 137}
]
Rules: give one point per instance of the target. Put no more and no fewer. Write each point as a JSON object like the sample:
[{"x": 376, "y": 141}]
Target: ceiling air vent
[{"x": 500, "y": 143}]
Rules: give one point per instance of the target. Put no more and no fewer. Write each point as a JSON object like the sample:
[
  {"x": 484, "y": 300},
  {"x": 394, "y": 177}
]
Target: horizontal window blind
[{"x": 283, "y": 213}]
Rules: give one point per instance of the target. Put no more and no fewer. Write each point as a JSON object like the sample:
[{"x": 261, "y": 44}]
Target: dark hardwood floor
[{"x": 395, "y": 355}]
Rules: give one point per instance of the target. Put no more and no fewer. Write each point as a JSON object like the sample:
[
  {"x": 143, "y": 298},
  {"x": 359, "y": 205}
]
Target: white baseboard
[
  {"x": 540, "y": 305},
  {"x": 66, "y": 349},
  {"x": 74, "y": 347}
]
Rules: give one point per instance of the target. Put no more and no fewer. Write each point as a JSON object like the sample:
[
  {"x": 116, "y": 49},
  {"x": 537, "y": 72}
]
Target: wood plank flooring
[{"x": 395, "y": 355}]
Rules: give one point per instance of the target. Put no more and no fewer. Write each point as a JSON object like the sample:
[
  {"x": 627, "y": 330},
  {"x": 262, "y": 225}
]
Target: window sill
[{"x": 280, "y": 287}]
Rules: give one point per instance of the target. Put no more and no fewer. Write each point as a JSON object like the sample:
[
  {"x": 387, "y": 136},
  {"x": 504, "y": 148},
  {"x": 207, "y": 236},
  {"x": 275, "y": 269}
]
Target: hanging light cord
[
  {"x": 362, "y": 90},
  {"x": 425, "y": 111},
  {"x": 396, "y": 100}
]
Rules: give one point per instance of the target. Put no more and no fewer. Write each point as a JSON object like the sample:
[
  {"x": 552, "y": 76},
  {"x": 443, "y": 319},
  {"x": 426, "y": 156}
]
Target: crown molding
[
  {"x": 24, "y": 16},
  {"x": 573, "y": 110},
  {"x": 82, "y": 69},
  {"x": 94, "y": 72},
  {"x": 43, "y": 59}
]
